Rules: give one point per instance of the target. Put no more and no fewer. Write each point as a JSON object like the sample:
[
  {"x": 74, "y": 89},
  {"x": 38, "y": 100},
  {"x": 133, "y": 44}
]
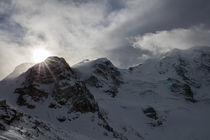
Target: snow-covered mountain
[
  {"x": 18, "y": 70},
  {"x": 163, "y": 98}
]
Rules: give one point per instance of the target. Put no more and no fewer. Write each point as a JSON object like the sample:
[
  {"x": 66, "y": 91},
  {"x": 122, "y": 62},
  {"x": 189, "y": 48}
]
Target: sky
[{"x": 125, "y": 31}]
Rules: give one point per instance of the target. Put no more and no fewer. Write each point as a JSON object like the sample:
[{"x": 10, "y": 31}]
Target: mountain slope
[
  {"x": 18, "y": 70},
  {"x": 52, "y": 92},
  {"x": 100, "y": 73},
  {"x": 165, "y": 98}
]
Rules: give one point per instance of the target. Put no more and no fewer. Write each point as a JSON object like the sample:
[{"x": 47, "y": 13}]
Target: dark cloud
[
  {"x": 10, "y": 31},
  {"x": 167, "y": 15},
  {"x": 128, "y": 56},
  {"x": 185, "y": 13},
  {"x": 115, "y": 5}
]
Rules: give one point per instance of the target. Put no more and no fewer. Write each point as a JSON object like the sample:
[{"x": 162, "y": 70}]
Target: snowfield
[{"x": 165, "y": 98}]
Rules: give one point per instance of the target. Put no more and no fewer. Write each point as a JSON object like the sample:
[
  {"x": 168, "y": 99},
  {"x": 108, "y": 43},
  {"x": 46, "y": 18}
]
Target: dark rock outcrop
[
  {"x": 55, "y": 78},
  {"x": 179, "y": 87},
  {"x": 151, "y": 113},
  {"x": 7, "y": 115},
  {"x": 106, "y": 76},
  {"x": 53, "y": 69},
  {"x": 182, "y": 70}
]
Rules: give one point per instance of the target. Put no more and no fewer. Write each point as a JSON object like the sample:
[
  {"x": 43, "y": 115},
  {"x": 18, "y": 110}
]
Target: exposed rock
[
  {"x": 61, "y": 119},
  {"x": 36, "y": 94},
  {"x": 93, "y": 81},
  {"x": 22, "y": 101},
  {"x": 53, "y": 69},
  {"x": 103, "y": 74},
  {"x": 52, "y": 105},
  {"x": 181, "y": 88},
  {"x": 55, "y": 78},
  {"x": 151, "y": 113},
  {"x": 181, "y": 69},
  {"x": 7, "y": 115}
]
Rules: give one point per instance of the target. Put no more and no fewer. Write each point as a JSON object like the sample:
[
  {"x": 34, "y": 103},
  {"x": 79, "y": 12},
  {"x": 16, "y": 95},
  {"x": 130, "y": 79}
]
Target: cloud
[
  {"x": 81, "y": 29},
  {"x": 164, "y": 41},
  {"x": 128, "y": 56}
]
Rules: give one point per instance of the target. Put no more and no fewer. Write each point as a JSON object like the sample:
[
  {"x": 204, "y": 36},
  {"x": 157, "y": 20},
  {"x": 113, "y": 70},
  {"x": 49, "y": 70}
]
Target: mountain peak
[
  {"x": 55, "y": 59},
  {"x": 55, "y": 79},
  {"x": 101, "y": 74},
  {"x": 52, "y": 69}
]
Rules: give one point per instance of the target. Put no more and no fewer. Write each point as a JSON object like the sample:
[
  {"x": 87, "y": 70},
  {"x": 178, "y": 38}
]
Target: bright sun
[{"x": 40, "y": 55}]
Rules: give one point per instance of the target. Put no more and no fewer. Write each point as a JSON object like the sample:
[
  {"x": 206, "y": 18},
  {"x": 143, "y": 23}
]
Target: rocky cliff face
[
  {"x": 55, "y": 85},
  {"x": 55, "y": 78},
  {"x": 8, "y": 115},
  {"x": 15, "y": 124},
  {"x": 101, "y": 74}
]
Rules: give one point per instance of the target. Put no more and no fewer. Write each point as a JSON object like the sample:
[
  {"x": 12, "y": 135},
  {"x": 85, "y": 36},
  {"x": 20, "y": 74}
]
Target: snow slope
[
  {"x": 163, "y": 98},
  {"x": 18, "y": 70}
]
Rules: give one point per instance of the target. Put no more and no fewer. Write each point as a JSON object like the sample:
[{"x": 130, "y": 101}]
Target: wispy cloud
[{"x": 163, "y": 41}]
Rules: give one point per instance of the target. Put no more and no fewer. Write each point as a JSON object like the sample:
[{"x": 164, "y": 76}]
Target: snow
[
  {"x": 85, "y": 68},
  {"x": 19, "y": 70},
  {"x": 144, "y": 86}
]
